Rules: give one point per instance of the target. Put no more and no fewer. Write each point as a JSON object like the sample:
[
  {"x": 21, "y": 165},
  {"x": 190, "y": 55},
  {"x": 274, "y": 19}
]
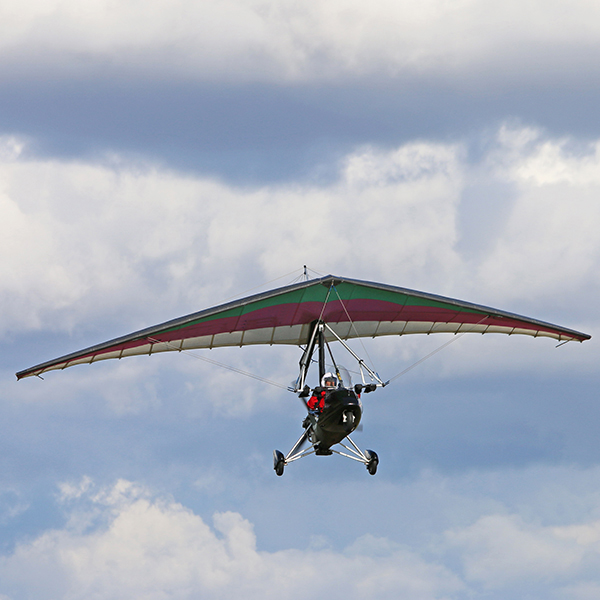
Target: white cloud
[
  {"x": 69, "y": 490},
  {"x": 152, "y": 547},
  {"x": 124, "y": 540},
  {"x": 90, "y": 237},
  {"x": 133, "y": 244},
  {"x": 271, "y": 39},
  {"x": 499, "y": 550},
  {"x": 551, "y": 239}
]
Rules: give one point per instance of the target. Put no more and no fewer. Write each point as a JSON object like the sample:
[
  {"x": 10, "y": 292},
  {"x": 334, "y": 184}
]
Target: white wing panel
[
  {"x": 293, "y": 334},
  {"x": 228, "y": 339},
  {"x": 258, "y": 336},
  {"x": 136, "y": 351}
]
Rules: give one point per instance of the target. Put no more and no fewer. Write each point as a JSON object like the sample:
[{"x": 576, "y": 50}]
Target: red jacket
[{"x": 317, "y": 401}]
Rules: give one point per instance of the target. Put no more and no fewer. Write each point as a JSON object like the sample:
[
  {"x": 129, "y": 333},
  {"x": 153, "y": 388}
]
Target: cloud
[
  {"x": 125, "y": 540},
  {"x": 553, "y": 224},
  {"x": 502, "y": 551},
  {"x": 81, "y": 238},
  {"x": 73, "y": 230},
  {"x": 127, "y": 244},
  {"x": 272, "y": 40},
  {"x": 146, "y": 546},
  {"x": 499, "y": 550}
]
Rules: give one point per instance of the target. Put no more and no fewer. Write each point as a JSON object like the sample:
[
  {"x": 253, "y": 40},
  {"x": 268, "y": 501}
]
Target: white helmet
[{"x": 329, "y": 381}]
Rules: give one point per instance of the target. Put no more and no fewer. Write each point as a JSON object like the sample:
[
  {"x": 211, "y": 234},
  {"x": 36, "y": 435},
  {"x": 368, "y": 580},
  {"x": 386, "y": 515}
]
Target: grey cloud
[{"x": 261, "y": 133}]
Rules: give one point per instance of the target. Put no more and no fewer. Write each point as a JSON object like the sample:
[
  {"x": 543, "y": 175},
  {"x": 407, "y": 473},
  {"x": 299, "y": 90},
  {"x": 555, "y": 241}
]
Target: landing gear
[
  {"x": 334, "y": 412},
  {"x": 368, "y": 458},
  {"x": 322, "y": 451},
  {"x": 372, "y": 461},
  {"x": 278, "y": 462}
]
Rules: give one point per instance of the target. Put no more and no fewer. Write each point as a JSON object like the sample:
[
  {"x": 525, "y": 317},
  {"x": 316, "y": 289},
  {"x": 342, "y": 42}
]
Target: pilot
[
  {"x": 316, "y": 403},
  {"x": 329, "y": 380}
]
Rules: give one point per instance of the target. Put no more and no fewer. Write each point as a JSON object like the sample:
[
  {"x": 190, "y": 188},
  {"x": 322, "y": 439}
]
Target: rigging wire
[
  {"x": 354, "y": 327},
  {"x": 302, "y": 277},
  {"x": 235, "y": 369},
  {"x": 440, "y": 348},
  {"x": 219, "y": 364},
  {"x": 284, "y": 387},
  {"x": 256, "y": 287},
  {"x": 317, "y": 272},
  {"x": 424, "y": 358},
  {"x": 337, "y": 371},
  {"x": 325, "y": 302}
]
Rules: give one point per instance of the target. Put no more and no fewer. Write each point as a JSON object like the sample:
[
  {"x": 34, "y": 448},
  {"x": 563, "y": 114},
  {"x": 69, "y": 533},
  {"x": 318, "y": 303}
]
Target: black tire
[
  {"x": 278, "y": 462},
  {"x": 373, "y": 461},
  {"x": 348, "y": 420}
]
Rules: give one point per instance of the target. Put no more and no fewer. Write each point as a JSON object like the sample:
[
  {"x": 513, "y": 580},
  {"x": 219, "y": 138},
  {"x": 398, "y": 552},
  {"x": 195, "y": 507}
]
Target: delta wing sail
[{"x": 351, "y": 308}]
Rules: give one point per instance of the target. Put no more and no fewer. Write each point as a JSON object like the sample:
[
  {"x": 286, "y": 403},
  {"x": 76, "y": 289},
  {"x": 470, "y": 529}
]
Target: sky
[{"x": 160, "y": 158}]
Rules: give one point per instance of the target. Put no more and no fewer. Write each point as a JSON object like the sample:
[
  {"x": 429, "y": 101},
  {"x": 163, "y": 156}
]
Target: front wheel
[{"x": 348, "y": 420}]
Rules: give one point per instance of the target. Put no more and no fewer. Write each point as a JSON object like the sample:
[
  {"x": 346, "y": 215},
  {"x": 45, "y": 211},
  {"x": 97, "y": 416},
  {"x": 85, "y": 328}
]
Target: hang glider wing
[{"x": 352, "y": 308}]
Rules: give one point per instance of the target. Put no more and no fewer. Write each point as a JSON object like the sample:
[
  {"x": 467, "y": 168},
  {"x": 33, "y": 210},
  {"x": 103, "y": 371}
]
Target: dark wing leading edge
[{"x": 352, "y": 308}]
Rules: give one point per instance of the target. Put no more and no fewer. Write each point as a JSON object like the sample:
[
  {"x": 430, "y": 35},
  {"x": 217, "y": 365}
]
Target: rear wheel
[
  {"x": 278, "y": 462},
  {"x": 373, "y": 461}
]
